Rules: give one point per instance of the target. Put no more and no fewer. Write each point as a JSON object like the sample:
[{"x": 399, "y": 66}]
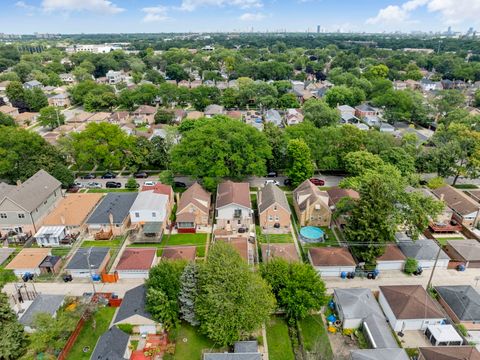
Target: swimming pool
[{"x": 312, "y": 234}]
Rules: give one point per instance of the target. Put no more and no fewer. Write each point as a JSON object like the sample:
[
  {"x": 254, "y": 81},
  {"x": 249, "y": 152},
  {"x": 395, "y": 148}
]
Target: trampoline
[{"x": 312, "y": 234}]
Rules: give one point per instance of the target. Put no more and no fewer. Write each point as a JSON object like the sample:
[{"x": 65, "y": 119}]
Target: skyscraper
[{"x": 318, "y": 29}]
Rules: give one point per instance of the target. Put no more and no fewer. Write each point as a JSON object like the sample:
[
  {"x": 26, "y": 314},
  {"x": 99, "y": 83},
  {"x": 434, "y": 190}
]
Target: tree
[
  {"x": 158, "y": 155},
  {"x": 35, "y": 99},
  {"x": 176, "y": 72},
  {"x": 163, "y": 290},
  {"x": 297, "y": 287},
  {"x": 358, "y": 162},
  {"x": 232, "y": 300},
  {"x": 13, "y": 342},
  {"x": 188, "y": 294},
  {"x": 51, "y": 117},
  {"x": 100, "y": 102},
  {"x": 6, "y": 120},
  {"x": 131, "y": 183},
  {"x": 319, "y": 113},
  {"x": 299, "y": 162},
  {"x": 343, "y": 95},
  {"x": 278, "y": 142},
  {"x": 448, "y": 100},
  {"x": 377, "y": 71},
  {"x": 288, "y": 101},
  {"x": 411, "y": 265},
  {"x": 202, "y": 96},
  {"x": 166, "y": 177},
  {"x": 221, "y": 147},
  {"x": 163, "y": 116}
]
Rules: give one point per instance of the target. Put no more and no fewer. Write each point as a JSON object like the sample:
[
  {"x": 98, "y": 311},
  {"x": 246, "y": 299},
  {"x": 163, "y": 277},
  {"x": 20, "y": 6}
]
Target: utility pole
[
  {"x": 90, "y": 269},
  {"x": 434, "y": 266}
]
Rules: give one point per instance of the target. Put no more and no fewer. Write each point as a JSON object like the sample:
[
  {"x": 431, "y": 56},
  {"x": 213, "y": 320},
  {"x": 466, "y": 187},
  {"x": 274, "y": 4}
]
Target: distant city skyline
[{"x": 136, "y": 16}]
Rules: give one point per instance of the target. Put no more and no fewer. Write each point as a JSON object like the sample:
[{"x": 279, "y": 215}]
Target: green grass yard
[
  {"x": 273, "y": 238},
  {"x": 110, "y": 190},
  {"x": 190, "y": 344},
  {"x": 89, "y": 335},
  {"x": 315, "y": 337},
  {"x": 331, "y": 239},
  {"x": 115, "y": 242},
  {"x": 443, "y": 240},
  {"x": 199, "y": 240},
  {"x": 278, "y": 340}
]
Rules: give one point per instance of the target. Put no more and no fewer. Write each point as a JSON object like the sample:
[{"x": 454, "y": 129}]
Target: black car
[
  {"x": 89, "y": 176},
  {"x": 287, "y": 182},
  {"x": 113, "y": 185},
  {"x": 272, "y": 174},
  {"x": 179, "y": 184},
  {"x": 141, "y": 175},
  {"x": 109, "y": 175}
]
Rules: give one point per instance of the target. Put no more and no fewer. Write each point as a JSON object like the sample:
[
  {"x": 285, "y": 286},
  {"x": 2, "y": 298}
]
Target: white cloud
[
  {"x": 98, "y": 6},
  {"x": 24, "y": 5},
  {"x": 392, "y": 13},
  {"x": 190, "y": 5},
  {"x": 155, "y": 13},
  {"x": 252, "y": 17}
]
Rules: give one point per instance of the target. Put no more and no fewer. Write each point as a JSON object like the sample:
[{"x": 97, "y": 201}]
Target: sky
[{"x": 137, "y": 16}]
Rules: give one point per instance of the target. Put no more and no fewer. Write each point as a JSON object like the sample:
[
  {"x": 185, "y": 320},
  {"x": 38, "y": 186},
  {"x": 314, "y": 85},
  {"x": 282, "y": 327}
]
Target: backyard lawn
[
  {"x": 315, "y": 337},
  {"x": 110, "y": 190},
  {"x": 190, "y": 344},
  {"x": 443, "y": 240},
  {"x": 89, "y": 335},
  {"x": 115, "y": 242},
  {"x": 199, "y": 240},
  {"x": 273, "y": 238},
  {"x": 278, "y": 340}
]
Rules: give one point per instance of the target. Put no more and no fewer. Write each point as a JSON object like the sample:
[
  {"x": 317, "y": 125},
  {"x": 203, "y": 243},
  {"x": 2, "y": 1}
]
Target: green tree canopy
[
  {"x": 319, "y": 113},
  {"x": 13, "y": 341},
  {"x": 51, "y": 117},
  {"x": 299, "y": 162}
]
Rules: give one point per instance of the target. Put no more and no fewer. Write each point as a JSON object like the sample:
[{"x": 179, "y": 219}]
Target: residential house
[
  {"x": 111, "y": 214},
  {"x": 423, "y": 250},
  {"x": 120, "y": 118},
  {"x": 242, "y": 350},
  {"x": 346, "y": 109},
  {"x": 293, "y": 117},
  {"x": 392, "y": 259},
  {"x": 179, "y": 115},
  {"x": 28, "y": 260},
  {"x": 149, "y": 206},
  {"x": 195, "y": 115},
  {"x": 274, "y": 117},
  {"x": 399, "y": 85},
  {"x": 429, "y": 85},
  {"x": 235, "y": 114},
  {"x": 233, "y": 207},
  {"x": 466, "y": 210},
  {"x": 379, "y": 354},
  {"x": 193, "y": 210},
  {"x": 80, "y": 117},
  {"x": 286, "y": 252},
  {"x": 135, "y": 263},
  {"x": 331, "y": 261},
  {"x": 114, "y": 77},
  {"x": 364, "y": 110},
  {"x": 465, "y": 251},
  {"x": 132, "y": 311},
  {"x": 59, "y": 100},
  {"x": 112, "y": 345},
  {"x": 99, "y": 117},
  {"x": 145, "y": 114},
  {"x": 27, "y": 118},
  {"x": 72, "y": 211},
  {"x": 67, "y": 78},
  {"x": 88, "y": 261},
  {"x": 34, "y": 84},
  {"x": 462, "y": 304},
  {"x": 212, "y": 110},
  {"x": 448, "y": 353},
  {"x": 409, "y": 307},
  {"x": 24, "y": 206},
  {"x": 187, "y": 253},
  {"x": 311, "y": 205},
  {"x": 335, "y": 194},
  {"x": 9, "y": 110},
  {"x": 42, "y": 304},
  {"x": 273, "y": 210},
  {"x": 51, "y": 137},
  {"x": 347, "y": 115}
]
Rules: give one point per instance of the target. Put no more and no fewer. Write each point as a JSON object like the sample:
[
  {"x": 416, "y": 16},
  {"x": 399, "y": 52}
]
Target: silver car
[{"x": 94, "y": 185}]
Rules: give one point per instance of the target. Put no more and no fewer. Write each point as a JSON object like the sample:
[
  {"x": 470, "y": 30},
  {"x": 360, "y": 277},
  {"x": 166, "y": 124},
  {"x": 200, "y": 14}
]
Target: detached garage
[
  {"x": 392, "y": 259},
  {"x": 424, "y": 251},
  {"x": 331, "y": 261},
  {"x": 135, "y": 263},
  {"x": 464, "y": 251}
]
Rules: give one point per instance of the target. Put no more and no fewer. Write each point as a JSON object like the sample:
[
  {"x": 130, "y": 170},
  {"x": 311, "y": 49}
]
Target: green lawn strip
[
  {"x": 115, "y": 242},
  {"x": 315, "y": 337},
  {"x": 443, "y": 240},
  {"x": 273, "y": 238},
  {"x": 89, "y": 336},
  {"x": 110, "y": 190},
  {"x": 190, "y": 344},
  {"x": 278, "y": 340},
  {"x": 198, "y": 240}
]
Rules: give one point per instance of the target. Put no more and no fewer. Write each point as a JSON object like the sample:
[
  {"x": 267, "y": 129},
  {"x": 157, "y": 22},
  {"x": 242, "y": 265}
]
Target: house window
[
  {"x": 270, "y": 218},
  {"x": 237, "y": 213},
  {"x": 239, "y": 222},
  {"x": 154, "y": 214},
  {"x": 21, "y": 216},
  {"x": 3, "y": 216},
  {"x": 277, "y": 218},
  {"x": 137, "y": 215},
  {"x": 275, "y": 208}
]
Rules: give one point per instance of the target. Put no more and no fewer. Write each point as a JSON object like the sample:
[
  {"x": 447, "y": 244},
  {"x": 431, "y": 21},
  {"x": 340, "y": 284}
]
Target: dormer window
[{"x": 237, "y": 213}]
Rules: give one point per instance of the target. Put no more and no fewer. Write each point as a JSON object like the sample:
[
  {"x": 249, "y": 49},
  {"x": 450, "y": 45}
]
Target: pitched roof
[
  {"x": 269, "y": 195},
  {"x": 146, "y": 110},
  {"x": 137, "y": 259},
  {"x": 179, "y": 253},
  {"x": 467, "y": 249},
  {"x": 331, "y": 256},
  {"x": 159, "y": 188},
  {"x": 379, "y": 354},
  {"x": 50, "y": 261},
  {"x": 42, "y": 304},
  {"x": 111, "y": 345},
  {"x": 117, "y": 204},
  {"x": 72, "y": 210},
  {"x": 308, "y": 193},
  {"x": 380, "y": 331},
  {"x": 240, "y": 245},
  {"x": 356, "y": 303},
  {"x": 133, "y": 303},
  {"x": 392, "y": 253},
  {"x": 335, "y": 194},
  {"x": 464, "y": 301},
  {"x": 450, "y": 353},
  {"x": 422, "y": 249},
  {"x": 7, "y": 109},
  {"x": 411, "y": 302},
  {"x": 149, "y": 200},
  {"x": 214, "y": 109},
  {"x": 33, "y": 192},
  {"x": 79, "y": 260},
  {"x": 196, "y": 196},
  {"x": 365, "y": 108},
  {"x": 457, "y": 200},
  {"x": 5, "y": 254},
  {"x": 28, "y": 258},
  {"x": 229, "y": 192},
  {"x": 283, "y": 251}
]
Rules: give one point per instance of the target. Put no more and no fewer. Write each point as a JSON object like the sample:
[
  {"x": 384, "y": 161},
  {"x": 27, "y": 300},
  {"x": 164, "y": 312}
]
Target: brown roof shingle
[
  {"x": 307, "y": 192},
  {"x": 73, "y": 209},
  {"x": 29, "y": 258},
  {"x": 197, "y": 196},
  {"x": 179, "y": 253},
  {"x": 392, "y": 253},
  {"x": 450, "y": 353},
  {"x": 239, "y": 244},
  {"x": 230, "y": 192},
  {"x": 287, "y": 252},
  {"x": 411, "y": 302},
  {"x": 331, "y": 256},
  {"x": 137, "y": 259},
  {"x": 457, "y": 200},
  {"x": 335, "y": 194}
]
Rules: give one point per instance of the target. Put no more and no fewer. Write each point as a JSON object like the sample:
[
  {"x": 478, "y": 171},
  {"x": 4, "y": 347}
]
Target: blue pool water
[{"x": 311, "y": 234}]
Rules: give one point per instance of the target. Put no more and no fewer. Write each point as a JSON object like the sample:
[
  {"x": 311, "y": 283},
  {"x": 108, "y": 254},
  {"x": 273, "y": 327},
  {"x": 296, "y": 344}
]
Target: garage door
[
  {"x": 147, "y": 329},
  {"x": 132, "y": 274},
  {"x": 390, "y": 265},
  {"x": 474, "y": 264}
]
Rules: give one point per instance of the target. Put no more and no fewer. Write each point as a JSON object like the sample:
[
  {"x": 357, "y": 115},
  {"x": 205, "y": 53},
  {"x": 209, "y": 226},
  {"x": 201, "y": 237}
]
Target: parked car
[
  {"x": 89, "y": 176},
  {"x": 79, "y": 184},
  {"x": 109, "y": 175},
  {"x": 113, "y": 185},
  {"x": 272, "y": 174},
  {"x": 317, "y": 181},
  {"x": 149, "y": 183},
  {"x": 141, "y": 175},
  {"x": 94, "y": 185},
  {"x": 73, "y": 189},
  {"x": 287, "y": 182},
  {"x": 179, "y": 184},
  {"x": 274, "y": 182}
]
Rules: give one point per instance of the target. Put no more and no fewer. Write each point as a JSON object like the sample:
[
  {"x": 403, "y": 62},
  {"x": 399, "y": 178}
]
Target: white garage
[
  {"x": 135, "y": 263},
  {"x": 425, "y": 252},
  {"x": 392, "y": 259},
  {"x": 331, "y": 261}
]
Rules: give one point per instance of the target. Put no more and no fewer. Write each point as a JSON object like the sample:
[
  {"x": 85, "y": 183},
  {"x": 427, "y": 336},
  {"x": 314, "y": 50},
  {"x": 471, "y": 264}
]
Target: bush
[
  {"x": 462, "y": 330},
  {"x": 435, "y": 183},
  {"x": 131, "y": 184},
  {"x": 411, "y": 265},
  {"x": 126, "y": 328},
  {"x": 166, "y": 177}
]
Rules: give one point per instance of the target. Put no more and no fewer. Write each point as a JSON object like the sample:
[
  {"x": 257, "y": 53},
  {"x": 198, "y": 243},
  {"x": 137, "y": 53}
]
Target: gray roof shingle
[
  {"x": 133, "y": 303},
  {"x": 79, "y": 260},
  {"x": 271, "y": 194},
  {"x": 111, "y": 345},
  {"x": 379, "y": 354},
  {"x": 423, "y": 249},
  {"x": 42, "y": 304},
  {"x": 464, "y": 301},
  {"x": 117, "y": 204}
]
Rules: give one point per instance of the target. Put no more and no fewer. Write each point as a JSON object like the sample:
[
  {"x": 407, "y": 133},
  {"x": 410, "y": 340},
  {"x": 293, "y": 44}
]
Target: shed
[
  {"x": 449, "y": 353},
  {"x": 443, "y": 335},
  {"x": 187, "y": 253},
  {"x": 50, "y": 235},
  {"x": 462, "y": 303},
  {"x": 287, "y": 252},
  {"x": 353, "y": 305},
  {"x": 331, "y": 261},
  {"x": 112, "y": 345}
]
